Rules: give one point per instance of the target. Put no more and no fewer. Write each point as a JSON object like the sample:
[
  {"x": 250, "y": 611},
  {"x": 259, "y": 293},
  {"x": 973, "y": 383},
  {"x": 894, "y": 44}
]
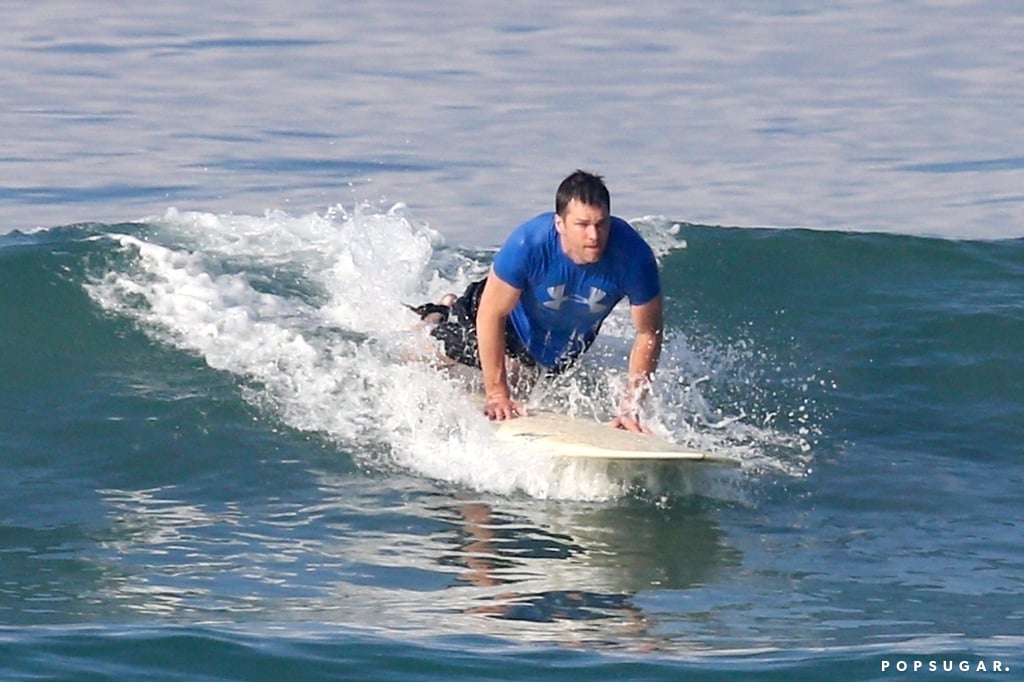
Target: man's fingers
[
  {"x": 503, "y": 411},
  {"x": 628, "y": 424}
]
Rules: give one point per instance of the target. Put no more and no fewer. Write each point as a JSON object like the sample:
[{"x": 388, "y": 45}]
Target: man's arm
[
  {"x": 496, "y": 304},
  {"x": 643, "y": 360}
]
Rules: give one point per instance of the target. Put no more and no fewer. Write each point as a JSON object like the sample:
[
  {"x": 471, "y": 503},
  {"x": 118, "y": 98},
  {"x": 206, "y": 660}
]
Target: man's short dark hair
[{"x": 587, "y": 188}]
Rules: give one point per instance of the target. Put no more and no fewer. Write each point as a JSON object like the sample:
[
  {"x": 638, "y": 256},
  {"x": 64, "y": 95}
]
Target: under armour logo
[
  {"x": 593, "y": 301},
  {"x": 558, "y": 297}
]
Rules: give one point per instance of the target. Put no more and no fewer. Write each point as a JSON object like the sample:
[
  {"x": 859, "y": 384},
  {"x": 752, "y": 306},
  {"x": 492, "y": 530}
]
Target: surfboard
[{"x": 573, "y": 437}]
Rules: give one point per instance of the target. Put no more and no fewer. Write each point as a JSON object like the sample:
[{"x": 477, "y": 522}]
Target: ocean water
[{"x": 222, "y": 463}]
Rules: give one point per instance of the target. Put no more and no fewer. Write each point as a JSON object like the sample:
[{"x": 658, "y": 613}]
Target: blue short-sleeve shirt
[{"x": 563, "y": 303}]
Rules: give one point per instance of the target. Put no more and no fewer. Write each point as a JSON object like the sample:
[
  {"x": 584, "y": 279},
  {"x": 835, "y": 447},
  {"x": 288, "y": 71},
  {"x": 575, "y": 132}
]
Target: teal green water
[
  {"x": 217, "y": 469},
  {"x": 219, "y": 464}
]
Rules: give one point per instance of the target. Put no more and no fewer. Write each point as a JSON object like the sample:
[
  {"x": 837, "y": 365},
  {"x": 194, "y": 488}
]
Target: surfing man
[{"x": 551, "y": 285}]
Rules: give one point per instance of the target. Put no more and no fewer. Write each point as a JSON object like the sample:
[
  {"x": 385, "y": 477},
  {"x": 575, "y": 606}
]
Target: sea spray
[{"x": 309, "y": 314}]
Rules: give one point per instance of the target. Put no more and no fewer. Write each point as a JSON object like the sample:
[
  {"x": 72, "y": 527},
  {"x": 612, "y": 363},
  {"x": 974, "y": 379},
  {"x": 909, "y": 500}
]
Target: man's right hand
[{"x": 499, "y": 408}]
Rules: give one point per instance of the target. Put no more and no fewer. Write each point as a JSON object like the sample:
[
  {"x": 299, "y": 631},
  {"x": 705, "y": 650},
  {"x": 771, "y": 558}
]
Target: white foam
[{"x": 307, "y": 312}]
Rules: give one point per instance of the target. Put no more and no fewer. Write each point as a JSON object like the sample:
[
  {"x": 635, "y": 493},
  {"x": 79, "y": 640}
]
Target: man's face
[{"x": 583, "y": 232}]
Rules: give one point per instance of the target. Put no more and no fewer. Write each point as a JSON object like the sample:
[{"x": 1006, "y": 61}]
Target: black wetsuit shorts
[{"x": 457, "y": 329}]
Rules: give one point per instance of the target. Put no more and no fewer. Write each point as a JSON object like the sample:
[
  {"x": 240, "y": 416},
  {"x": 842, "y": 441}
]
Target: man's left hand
[{"x": 629, "y": 424}]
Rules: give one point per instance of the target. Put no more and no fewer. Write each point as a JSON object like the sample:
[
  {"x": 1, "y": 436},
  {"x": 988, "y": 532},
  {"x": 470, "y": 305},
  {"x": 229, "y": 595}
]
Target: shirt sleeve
[
  {"x": 643, "y": 282},
  {"x": 516, "y": 256}
]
